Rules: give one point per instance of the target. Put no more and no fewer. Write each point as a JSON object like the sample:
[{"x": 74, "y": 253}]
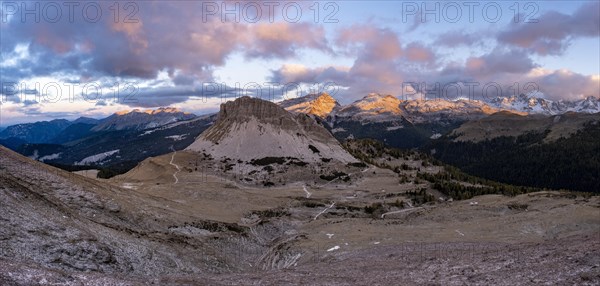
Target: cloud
[
  {"x": 282, "y": 40},
  {"x": 417, "y": 52},
  {"x": 459, "y": 38},
  {"x": 510, "y": 70},
  {"x": 164, "y": 35},
  {"x": 291, "y": 73},
  {"x": 172, "y": 38},
  {"x": 382, "y": 63},
  {"x": 565, "y": 84},
  {"x": 370, "y": 42},
  {"x": 499, "y": 61},
  {"x": 554, "y": 31}
]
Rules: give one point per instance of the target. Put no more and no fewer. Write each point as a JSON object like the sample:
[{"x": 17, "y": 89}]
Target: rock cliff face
[
  {"x": 250, "y": 128},
  {"x": 372, "y": 108},
  {"x": 321, "y": 104}
]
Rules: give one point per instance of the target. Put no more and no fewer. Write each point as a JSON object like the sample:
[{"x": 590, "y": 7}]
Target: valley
[
  {"x": 334, "y": 143},
  {"x": 141, "y": 227},
  {"x": 222, "y": 213}
]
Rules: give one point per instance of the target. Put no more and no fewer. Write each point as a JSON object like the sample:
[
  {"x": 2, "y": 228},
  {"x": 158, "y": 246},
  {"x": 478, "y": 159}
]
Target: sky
[{"x": 71, "y": 59}]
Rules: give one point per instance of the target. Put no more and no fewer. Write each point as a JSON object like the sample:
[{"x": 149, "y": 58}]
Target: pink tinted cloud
[
  {"x": 284, "y": 39},
  {"x": 419, "y": 53},
  {"x": 499, "y": 61},
  {"x": 369, "y": 42},
  {"x": 167, "y": 35}
]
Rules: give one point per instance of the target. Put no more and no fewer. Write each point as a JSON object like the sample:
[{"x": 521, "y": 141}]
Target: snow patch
[
  {"x": 148, "y": 132},
  {"x": 129, "y": 186},
  {"x": 177, "y": 137},
  {"x": 35, "y": 155},
  {"x": 392, "y": 128},
  {"x": 50, "y": 157},
  {"x": 436, "y": 136},
  {"x": 96, "y": 158}
]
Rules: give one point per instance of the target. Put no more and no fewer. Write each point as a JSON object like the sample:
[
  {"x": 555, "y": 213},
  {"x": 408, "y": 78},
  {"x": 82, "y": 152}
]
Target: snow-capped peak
[
  {"x": 375, "y": 107},
  {"x": 151, "y": 111},
  {"x": 537, "y": 105}
]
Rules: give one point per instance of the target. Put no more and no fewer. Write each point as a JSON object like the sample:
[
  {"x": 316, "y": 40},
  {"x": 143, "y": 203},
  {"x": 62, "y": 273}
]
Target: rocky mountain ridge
[
  {"x": 140, "y": 120},
  {"x": 376, "y": 107}
]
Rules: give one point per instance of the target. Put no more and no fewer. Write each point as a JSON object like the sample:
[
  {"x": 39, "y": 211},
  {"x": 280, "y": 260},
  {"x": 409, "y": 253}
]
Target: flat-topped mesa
[
  {"x": 246, "y": 107},
  {"x": 251, "y": 128}
]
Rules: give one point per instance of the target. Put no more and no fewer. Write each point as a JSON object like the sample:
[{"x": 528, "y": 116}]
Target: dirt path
[
  {"x": 324, "y": 211},
  {"x": 400, "y": 211},
  {"x": 176, "y": 166},
  {"x": 308, "y": 194}
]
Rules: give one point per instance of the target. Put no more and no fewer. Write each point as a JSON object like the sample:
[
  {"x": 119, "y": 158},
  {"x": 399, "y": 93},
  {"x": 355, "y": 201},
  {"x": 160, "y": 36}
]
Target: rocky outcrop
[{"x": 373, "y": 108}]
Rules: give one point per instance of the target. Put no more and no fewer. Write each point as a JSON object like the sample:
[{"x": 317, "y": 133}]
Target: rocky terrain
[
  {"x": 269, "y": 197},
  {"x": 61, "y": 228}
]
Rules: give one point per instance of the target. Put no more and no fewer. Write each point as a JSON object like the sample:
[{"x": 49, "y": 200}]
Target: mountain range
[
  {"x": 122, "y": 140},
  {"x": 57, "y": 131},
  {"x": 534, "y": 105},
  {"x": 38, "y": 132},
  {"x": 371, "y": 108},
  {"x": 142, "y": 119},
  {"x": 262, "y": 190},
  {"x": 379, "y": 107},
  {"x": 117, "y": 142}
]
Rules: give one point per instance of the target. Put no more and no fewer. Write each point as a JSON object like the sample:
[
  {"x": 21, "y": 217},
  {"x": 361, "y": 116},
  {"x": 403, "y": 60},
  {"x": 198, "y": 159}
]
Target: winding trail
[
  {"x": 308, "y": 194},
  {"x": 400, "y": 211},
  {"x": 176, "y": 166},
  {"x": 324, "y": 211}
]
